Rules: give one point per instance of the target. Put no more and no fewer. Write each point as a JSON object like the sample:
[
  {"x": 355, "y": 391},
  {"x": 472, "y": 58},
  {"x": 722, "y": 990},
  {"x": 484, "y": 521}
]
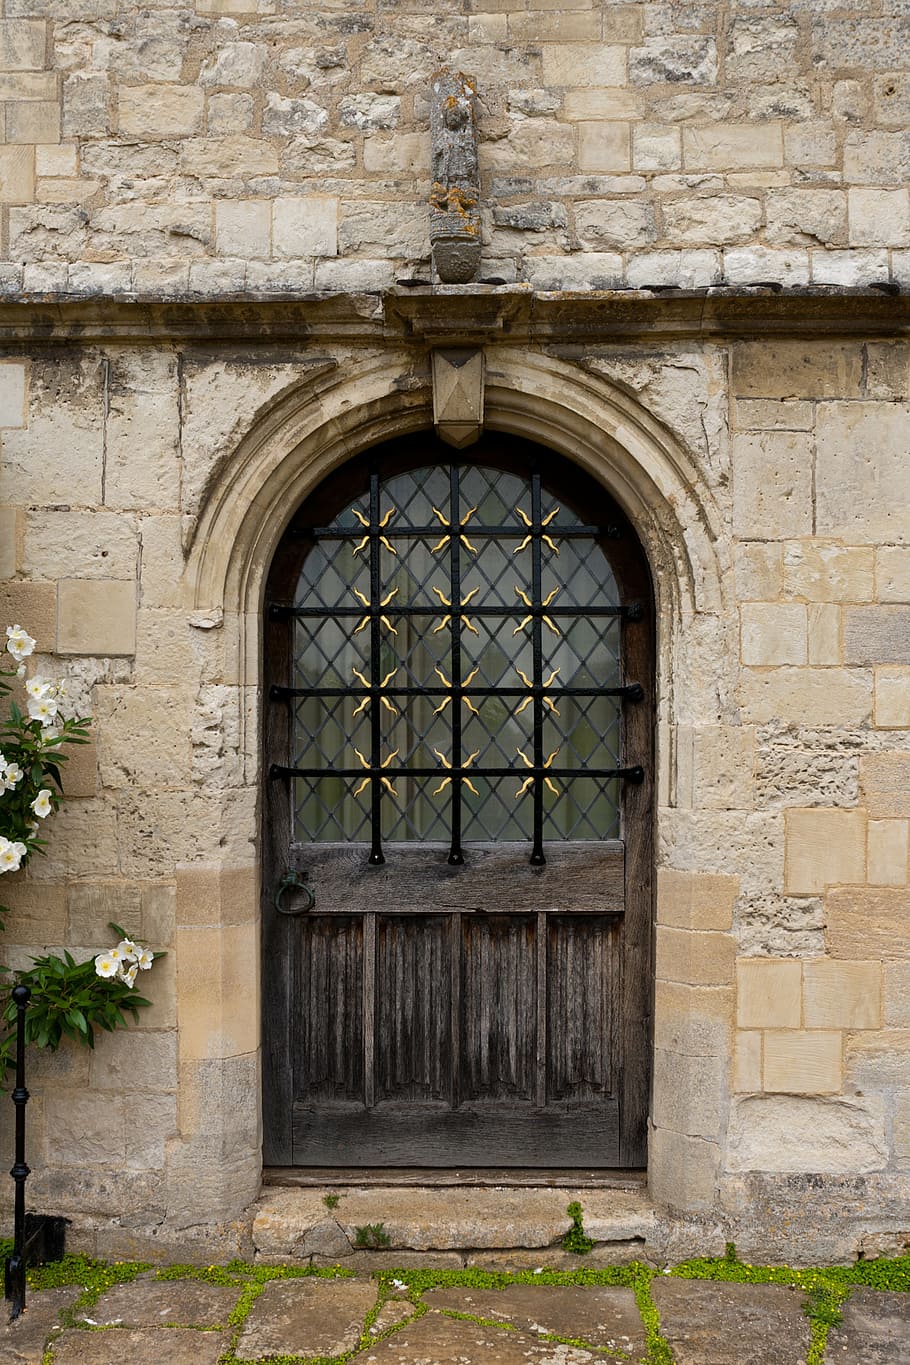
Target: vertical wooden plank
[
  {"x": 369, "y": 1010},
  {"x": 542, "y": 998},
  {"x": 455, "y": 975}
]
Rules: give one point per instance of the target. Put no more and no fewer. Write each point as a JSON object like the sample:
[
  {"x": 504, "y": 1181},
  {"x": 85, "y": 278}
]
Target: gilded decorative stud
[
  {"x": 467, "y": 701},
  {"x": 386, "y": 782},
  {"x": 529, "y": 781},
  {"x": 366, "y": 540},
  {"x": 547, "y": 701},
  {"x": 384, "y": 619},
  {"x": 529, "y": 523},
  {"x": 448, "y": 525},
  {"x": 366, "y": 701},
  {"x": 446, "y": 780},
  {"x": 465, "y": 621},
  {"x": 528, "y": 603}
]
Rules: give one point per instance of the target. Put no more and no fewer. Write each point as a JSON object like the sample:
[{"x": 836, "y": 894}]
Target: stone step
[{"x": 501, "y": 1227}]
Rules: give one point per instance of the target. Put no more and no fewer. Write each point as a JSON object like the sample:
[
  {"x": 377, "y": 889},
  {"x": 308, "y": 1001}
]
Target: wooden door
[{"x": 456, "y": 900}]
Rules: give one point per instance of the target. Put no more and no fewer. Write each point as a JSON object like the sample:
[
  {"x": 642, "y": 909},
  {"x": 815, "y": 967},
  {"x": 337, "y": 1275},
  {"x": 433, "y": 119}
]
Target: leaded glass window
[{"x": 457, "y": 669}]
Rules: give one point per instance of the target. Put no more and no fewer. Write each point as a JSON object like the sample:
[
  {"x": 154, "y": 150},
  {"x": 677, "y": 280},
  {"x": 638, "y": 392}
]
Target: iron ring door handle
[{"x": 291, "y": 882}]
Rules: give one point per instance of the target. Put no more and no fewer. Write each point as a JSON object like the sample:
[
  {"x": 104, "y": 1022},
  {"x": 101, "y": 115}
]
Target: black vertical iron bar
[
  {"x": 537, "y": 854},
  {"x": 15, "y": 1266},
  {"x": 376, "y": 854},
  {"x": 456, "y": 856}
]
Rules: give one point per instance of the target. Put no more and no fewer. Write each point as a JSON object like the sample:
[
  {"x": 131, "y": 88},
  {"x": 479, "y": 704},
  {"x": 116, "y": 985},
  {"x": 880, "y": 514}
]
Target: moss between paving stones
[{"x": 826, "y": 1288}]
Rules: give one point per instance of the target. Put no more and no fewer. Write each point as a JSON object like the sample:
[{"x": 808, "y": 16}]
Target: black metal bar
[
  {"x": 632, "y": 611},
  {"x": 538, "y": 858},
  {"x": 633, "y": 774},
  {"x": 15, "y": 1265},
  {"x": 633, "y": 692},
  {"x": 456, "y": 856},
  {"x": 376, "y": 856},
  {"x": 513, "y": 530}
]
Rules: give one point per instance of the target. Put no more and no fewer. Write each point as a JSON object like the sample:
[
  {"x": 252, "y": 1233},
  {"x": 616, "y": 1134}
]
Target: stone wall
[
  {"x": 782, "y": 1010},
  {"x": 265, "y": 147}
]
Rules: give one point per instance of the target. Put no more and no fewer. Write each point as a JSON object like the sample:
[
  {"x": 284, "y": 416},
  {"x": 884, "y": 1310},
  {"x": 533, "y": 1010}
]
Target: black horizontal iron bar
[
  {"x": 515, "y": 530},
  {"x": 632, "y": 611},
  {"x": 631, "y": 691},
  {"x": 634, "y": 774}
]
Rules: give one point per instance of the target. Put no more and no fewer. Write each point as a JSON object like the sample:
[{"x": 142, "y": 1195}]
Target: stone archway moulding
[{"x": 325, "y": 419}]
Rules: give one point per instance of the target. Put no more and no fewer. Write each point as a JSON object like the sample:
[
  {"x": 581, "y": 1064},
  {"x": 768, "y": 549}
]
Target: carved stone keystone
[
  {"x": 458, "y": 377},
  {"x": 454, "y": 219}
]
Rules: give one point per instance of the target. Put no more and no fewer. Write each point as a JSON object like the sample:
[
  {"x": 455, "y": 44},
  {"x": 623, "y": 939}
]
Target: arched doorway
[{"x": 459, "y": 683}]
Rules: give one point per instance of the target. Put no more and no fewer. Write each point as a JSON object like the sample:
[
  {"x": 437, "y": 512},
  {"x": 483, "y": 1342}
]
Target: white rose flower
[
  {"x": 11, "y": 854},
  {"x": 19, "y": 643},
  {"x": 129, "y": 975},
  {"x": 106, "y": 965},
  {"x": 144, "y": 958},
  {"x": 127, "y": 950},
  {"x": 43, "y": 709},
  {"x": 10, "y": 775},
  {"x": 42, "y": 803},
  {"x": 40, "y": 687}
]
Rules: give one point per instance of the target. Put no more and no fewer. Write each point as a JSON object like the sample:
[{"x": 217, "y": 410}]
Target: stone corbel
[{"x": 458, "y": 380}]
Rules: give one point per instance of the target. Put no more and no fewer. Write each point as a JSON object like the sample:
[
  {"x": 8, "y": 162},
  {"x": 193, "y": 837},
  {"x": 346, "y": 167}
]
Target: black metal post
[{"x": 15, "y": 1266}]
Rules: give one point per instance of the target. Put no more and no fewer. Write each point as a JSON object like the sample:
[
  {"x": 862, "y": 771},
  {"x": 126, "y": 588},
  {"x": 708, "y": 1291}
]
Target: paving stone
[
  {"x": 599, "y": 1316},
  {"x": 875, "y": 1330},
  {"x": 732, "y": 1324},
  {"x": 306, "y": 1317},
  {"x": 392, "y": 1313},
  {"x": 437, "y": 1340},
  {"x": 147, "y": 1346},
  {"x": 22, "y": 1342},
  {"x": 154, "y": 1303}
]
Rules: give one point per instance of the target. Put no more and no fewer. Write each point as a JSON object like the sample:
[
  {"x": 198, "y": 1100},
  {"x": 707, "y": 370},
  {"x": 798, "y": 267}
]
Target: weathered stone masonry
[{"x": 205, "y": 216}]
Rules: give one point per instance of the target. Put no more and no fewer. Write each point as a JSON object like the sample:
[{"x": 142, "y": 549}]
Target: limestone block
[
  {"x": 768, "y": 993},
  {"x": 398, "y": 154},
  {"x": 772, "y": 485},
  {"x": 656, "y": 147},
  {"x": 80, "y": 773},
  {"x": 892, "y": 573},
  {"x": 897, "y": 993},
  {"x": 879, "y": 217},
  {"x": 583, "y": 64},
  {"x": 748, "y": 264},
  {"x": 825, "y": 632},
  {"x": 35, "y": 121},
  {"x": 858, "y": 498},
  {"x": 902, "y": 1126},
  {"x": 693, "y": 1021},
  {"x": 793, "y": 1133},
  {"x": 685, "y": 269},
  {"x": 558, "y": 25},
  {"x": 354, "y": 276},
  {"x": 17, "y": 175},
  {"x": 160, "y": 110},
  {"x": 829, "y": 696},
  {"x": 613, "y": 223},
  {"x": 217, "y": 991},
  {"x": 162, "y": 560},
  {"x": 13, "y": 394},
  {"x": 136, "y": 1059},
  {"x": 228, "y": 113},
  {"x": 538, "y": 142},
  {"x": 243, "y": 227},
  {"x": 733, "y": 146},
  {"x": 583, "y": 270},
  {"x": 892, "y": 698},
  {"x": 874, "y": 157},
  {"x": 694, "y": 958},
  {"x": 714, "y": 220},
  {"x": 143, "y": 735},
  {"x": 37, "y": 912},
  {"x": 28, "y": 85},
  {"x": 32, "y": 606},
  {"x": 11, "y": 521},
  {"x": 747, "y": 1061},
  {"x": 800, "y": 1062},
  {"x": 797, "y": 369},
  {"x": 92, "y": 906},
  {"x": 773, "y": 633},
  {"x": 59, "y": 161},
  {"x": 62, "y": 451},
  {"x": 22, "y": 44},
  {"x": 688, "y": 1093},
  {"x": 842, "y": 995},
  {"x": 293, "y": 117},
  {"x": 877, "y": 635},
  {"x": 96, "y": 616},
  {"x": 759, "y": 570},
  {"x": 158, "y": 913},
  {"x": 824, "y": 848},
  {"x": 235, "y": 64},
  {"x": 714, "y": 767},
  {"x": 813, "y": 143},
  {"x": 594, "y": 102},
  {"x": 682, "y": 1170},
  {"x": 94, "y": 544},
  {"x": 695, "y": 900},
  {"x": 86, "y": 1132},
  {"x": 807, "y": 215},
  {"x": 825, "y": 571},
  {"x": 143, "y": 431},
  {"x": 853, "y": 267},
  {"x": 885, "y": 782},
  {"x": 870, "y": 923},
  {"x": 228, "y": 157},
  {"x": 678, "y": 59},
  {"x": 878, "y": 1060},
  {"x": 603, "y": 147},
  {"x": 216, "y": 894},
  {"x": 160, "y": 988}
]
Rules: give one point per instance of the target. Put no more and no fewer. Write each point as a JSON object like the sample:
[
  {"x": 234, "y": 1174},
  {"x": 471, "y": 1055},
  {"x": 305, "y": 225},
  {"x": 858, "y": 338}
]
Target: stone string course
[{"x": 236, "y": 147}]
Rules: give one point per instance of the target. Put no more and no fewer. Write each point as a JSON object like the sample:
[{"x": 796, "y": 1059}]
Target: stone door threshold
[
  {"x": 430, "y": 1178},
  {"x": 504, "y": 1226}
]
